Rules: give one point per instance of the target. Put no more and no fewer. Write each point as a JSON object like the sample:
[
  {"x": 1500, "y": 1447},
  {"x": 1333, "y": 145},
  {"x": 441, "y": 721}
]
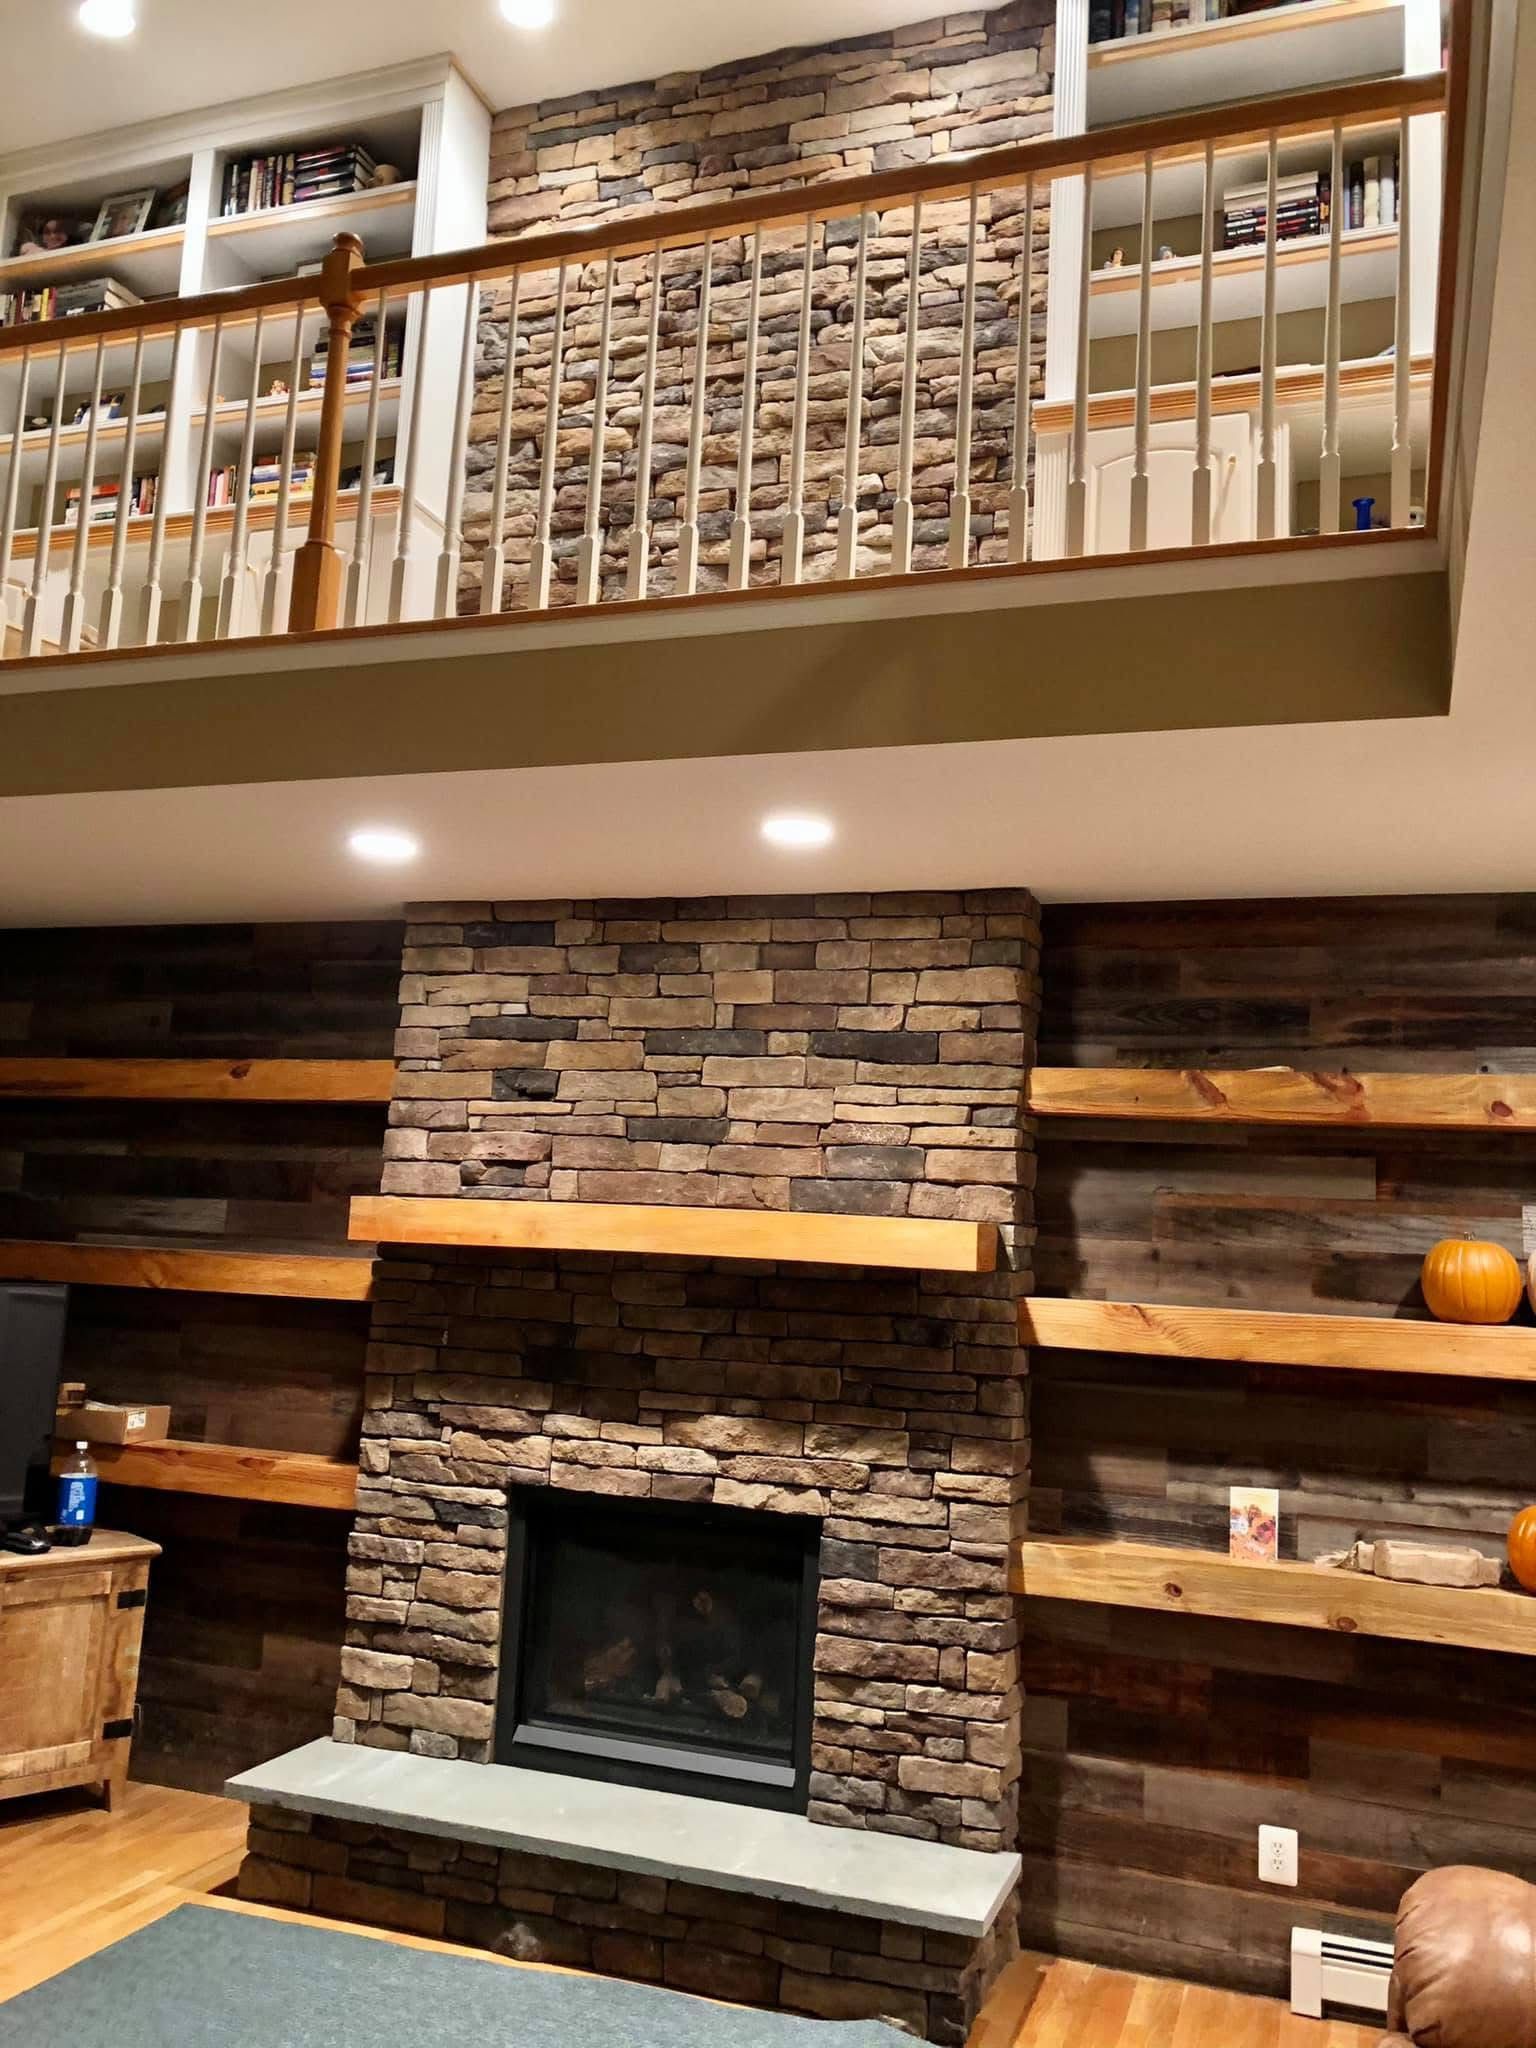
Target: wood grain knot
[
  {"x": 240, "y": 1071},
  {"x": 1346, "y": 1624},
  {"x": 1173, "y": 1589},
  {"x": 1500, "y": 1110}
]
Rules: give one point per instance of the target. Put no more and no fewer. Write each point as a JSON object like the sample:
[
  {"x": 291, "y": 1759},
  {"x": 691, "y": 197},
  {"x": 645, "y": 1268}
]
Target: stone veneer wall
[
  {"x": 954, "y": 82},
  {"x": 847, "y": 1054},
  {"x": 656, "y": 1930}
]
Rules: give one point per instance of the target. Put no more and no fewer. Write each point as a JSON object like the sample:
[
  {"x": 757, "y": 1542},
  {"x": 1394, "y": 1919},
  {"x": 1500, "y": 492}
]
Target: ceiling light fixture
[
  {"x": 383, "y": 845},
  {"x": 797, "y": 830},
  {"x": 528, "y": 13},
  {"x": 107, "y": 17}
]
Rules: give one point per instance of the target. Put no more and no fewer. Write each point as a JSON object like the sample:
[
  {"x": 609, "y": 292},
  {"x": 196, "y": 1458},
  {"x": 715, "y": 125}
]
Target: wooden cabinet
[{"x": 71, "y": 1622}]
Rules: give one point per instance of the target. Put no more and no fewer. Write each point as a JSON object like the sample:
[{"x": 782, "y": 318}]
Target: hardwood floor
[{"x": 74, "y": 1879}]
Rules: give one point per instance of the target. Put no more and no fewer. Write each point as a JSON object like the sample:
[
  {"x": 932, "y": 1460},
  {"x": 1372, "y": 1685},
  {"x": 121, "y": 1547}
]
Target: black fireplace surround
[{"x": 660, "y": 1645}]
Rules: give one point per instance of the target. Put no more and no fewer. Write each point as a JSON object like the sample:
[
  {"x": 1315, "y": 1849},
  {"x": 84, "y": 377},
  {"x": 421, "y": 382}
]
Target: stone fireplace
[{"x": 732, "y": 1527}]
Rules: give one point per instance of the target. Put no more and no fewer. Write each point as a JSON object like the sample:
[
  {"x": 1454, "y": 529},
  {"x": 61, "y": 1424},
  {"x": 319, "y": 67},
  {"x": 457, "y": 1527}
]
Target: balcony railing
[{"x": 1042, "y": 356}]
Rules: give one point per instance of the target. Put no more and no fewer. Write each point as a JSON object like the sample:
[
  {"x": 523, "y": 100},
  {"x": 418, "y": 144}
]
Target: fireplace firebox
[{"x": 660, "y": 1645}]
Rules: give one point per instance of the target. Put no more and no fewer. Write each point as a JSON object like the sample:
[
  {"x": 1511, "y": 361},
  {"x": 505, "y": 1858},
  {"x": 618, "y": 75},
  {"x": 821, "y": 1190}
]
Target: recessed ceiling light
[
  {"x": 383, "y": 845},
  {"x": 529, "y": 13},
  {"x": 108, "y": 17},
  {"x": 797, "y": 829}
]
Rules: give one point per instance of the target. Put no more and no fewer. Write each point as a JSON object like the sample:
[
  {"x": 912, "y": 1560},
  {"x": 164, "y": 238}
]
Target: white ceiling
[
  {"x": 57, "y": 82},
  {"x": 1426, "y": 805}
]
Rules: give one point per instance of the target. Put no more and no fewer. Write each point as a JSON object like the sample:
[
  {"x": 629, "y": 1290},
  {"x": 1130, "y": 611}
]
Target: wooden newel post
[{"x": 315, "y": 599}]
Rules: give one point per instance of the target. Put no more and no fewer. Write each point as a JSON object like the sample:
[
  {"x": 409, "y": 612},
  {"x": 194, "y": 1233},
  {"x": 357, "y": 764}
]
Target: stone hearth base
[{"x": 656, "y": 1930}]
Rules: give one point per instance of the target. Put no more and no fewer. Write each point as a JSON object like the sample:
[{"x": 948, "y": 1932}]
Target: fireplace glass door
[{"x": 660, "y": 1645}]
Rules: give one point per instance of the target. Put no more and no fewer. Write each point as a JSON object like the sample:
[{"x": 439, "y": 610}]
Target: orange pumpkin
[
  {"x": 1468, "y": 1280},
  {"x": 1522, "y": 1548}
]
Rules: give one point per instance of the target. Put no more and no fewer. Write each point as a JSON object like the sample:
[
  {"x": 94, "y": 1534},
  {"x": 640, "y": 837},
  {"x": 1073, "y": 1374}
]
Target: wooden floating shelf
[
  {"x": 1172, "y": 1581},
  {"x": 696, "y": 1233},
  {"x": 228, "y": 1471},
  {"x": 1150, "y": 1329},
  {"x": 307, "y": 1276},
  {"x": 1286, "y": 1095},
  {"x": 200, "y": 1080}
]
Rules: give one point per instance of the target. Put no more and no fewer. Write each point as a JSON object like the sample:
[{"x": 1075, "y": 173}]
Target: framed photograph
[
  {"x": 44, "y": 234},
  {"x": 125, "y": 213},
  {"x": 1254, "y": 1517}
]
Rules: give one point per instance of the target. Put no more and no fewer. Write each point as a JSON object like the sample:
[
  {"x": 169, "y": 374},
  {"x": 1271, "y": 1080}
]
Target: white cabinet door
[{"x": 1170, "y": 472}]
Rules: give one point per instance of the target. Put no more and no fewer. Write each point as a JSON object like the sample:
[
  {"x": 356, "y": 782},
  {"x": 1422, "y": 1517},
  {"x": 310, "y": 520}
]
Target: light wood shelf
[
  {"x": 306, "y": 1276},
  {"x": 1174, "y": 1581},
  {"x": 1285, "y": 1095},
  {"x": 149, "y": 263},
  {"x": 261, "y": 518},
  {"x": 1368, "y": 271},
  {"x": 129, "y": 1080},
  {"x": 279, "y": 237},
  {"x": 699, "y": 1233},
  {"x": 1151, "y": 1329},
  {"x": 227, "y": 1471}
]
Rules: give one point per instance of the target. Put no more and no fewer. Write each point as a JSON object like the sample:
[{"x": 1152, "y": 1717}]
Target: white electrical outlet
[{"x": 1277, "y": 1855}]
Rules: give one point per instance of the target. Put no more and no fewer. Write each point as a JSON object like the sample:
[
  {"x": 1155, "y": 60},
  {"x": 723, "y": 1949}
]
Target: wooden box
[{"x": 71, "y": 1622}]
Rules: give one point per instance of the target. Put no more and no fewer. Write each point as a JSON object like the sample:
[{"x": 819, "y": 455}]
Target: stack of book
[
  {"x": 291, "y": 177},
  {"x": 1370, "y": 193},
  {"x": 59, "y": 301},
  {"x": 266, "y": 480},
  {"x": 104, "y": 498},
  {"x": 360, "y": 355},
  {"x": 1109, "y": 20},
  {"x": 1302, "y": 203}
]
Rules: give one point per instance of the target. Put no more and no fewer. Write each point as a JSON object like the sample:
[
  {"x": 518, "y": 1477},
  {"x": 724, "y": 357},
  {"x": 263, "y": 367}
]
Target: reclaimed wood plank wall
[
  {"x": 246, "y": 1606},
  {"x": 1156, "y": 1745}
]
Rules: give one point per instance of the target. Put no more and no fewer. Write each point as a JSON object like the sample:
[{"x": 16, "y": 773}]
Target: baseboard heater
[{"x": 1338, "y": 1969}]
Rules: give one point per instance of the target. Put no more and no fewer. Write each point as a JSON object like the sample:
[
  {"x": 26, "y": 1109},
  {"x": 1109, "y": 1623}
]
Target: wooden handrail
[{"x": 1124, "y": 146}]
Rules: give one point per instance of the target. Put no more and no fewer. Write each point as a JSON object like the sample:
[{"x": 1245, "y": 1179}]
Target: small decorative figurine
[
  {"x": 1116, "y": 258},
  {"x": 1164, "y": 253},
  {"x": 278, "y": 388}
]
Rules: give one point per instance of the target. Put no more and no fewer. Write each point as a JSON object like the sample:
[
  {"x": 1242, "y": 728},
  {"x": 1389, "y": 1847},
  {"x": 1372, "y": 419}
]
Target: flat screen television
[{"x": 31, "y": 1361}]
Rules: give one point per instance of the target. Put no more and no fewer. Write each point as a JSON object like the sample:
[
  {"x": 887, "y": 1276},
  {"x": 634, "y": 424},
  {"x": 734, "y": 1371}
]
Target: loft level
[
  {"x": 1148, "y": 1329},
  {"x": 304, "y": 1276},
  {"x": 1163, "y": 1579},
  {"x": 897, "y": 1241},
  {"x": 1286, "y": 1095},
  {"x": 254, "y": 1080},
  {"x": 227, "y": 1471}
]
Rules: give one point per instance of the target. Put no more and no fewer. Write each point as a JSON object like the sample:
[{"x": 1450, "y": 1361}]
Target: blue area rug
[{"x": 202, "y": 1978}]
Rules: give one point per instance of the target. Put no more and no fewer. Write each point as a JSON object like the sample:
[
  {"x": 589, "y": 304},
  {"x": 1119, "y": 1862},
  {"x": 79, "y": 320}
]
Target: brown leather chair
[{"x": 1464, "y": 1975}]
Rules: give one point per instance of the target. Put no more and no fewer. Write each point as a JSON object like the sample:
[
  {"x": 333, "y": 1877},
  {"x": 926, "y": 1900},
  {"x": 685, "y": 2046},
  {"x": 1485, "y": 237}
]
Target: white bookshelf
[
  {"x": 1290, "y": 48},
  {"x": 424, "y": 119}
]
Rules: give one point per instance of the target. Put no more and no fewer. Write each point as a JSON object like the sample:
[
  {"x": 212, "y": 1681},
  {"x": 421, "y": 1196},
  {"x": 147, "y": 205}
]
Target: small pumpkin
[
  {"x": 1469, "y": 1280},
  {"x": 1522, "y": 1548}
]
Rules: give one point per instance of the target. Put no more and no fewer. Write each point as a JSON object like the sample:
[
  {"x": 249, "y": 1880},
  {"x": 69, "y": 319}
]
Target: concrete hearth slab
[{"x": 663, "y": 1834}]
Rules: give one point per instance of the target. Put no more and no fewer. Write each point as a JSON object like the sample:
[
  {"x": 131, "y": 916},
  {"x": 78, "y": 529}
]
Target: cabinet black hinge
[
  {"x": 117, "y": 1731},
  {"x": 137, "y": 1597}
]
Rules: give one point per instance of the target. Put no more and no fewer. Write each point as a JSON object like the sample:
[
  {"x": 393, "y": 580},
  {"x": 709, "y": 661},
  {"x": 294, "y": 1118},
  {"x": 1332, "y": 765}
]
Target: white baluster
[
  {"x": 1269, "y": 473},
  {"x": 848, "y": 515},
  {"x": 1023, "y": 386},
  {"x": 901, "y": 511},
  {"x": 493, "y": 568},
  {"x": 72, "y": 630},
  {"x": 236, "y": 555},
  {"x": 405, "y": 531},
  {"x": 112, "y": 599},
  {"x": 1200, "y": 500},
  {"x": 32, "y": 617},
  {"x": 741, "y": 524},
  {"x": 13, "y": 480},
  {"x": 638, "y": 571},
  {"x": 1331, "y": 471},
  {"x": 192, "y": 589},
  {"x": 688, "y": 535},
  {"x": 272, "y": 581},
  {"x": 355, "y": 595},
  {"x": 1142, "y": 434},
  {"x": 1077, "y": 485},
  {"x": 453, "y": 516},
  {"x": 960, "y": 497},
  {"x": 792, "y": 565},
  {"x": 150, "y": 600},
  {"x": 589, "y": 560},
  {"x": 541, "y": 559},
  {"x": 1402, "y": 344}
]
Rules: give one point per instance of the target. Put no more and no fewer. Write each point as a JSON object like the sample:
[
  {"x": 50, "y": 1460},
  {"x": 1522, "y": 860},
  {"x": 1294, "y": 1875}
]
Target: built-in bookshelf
[{"x": 221, "y": 199}]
